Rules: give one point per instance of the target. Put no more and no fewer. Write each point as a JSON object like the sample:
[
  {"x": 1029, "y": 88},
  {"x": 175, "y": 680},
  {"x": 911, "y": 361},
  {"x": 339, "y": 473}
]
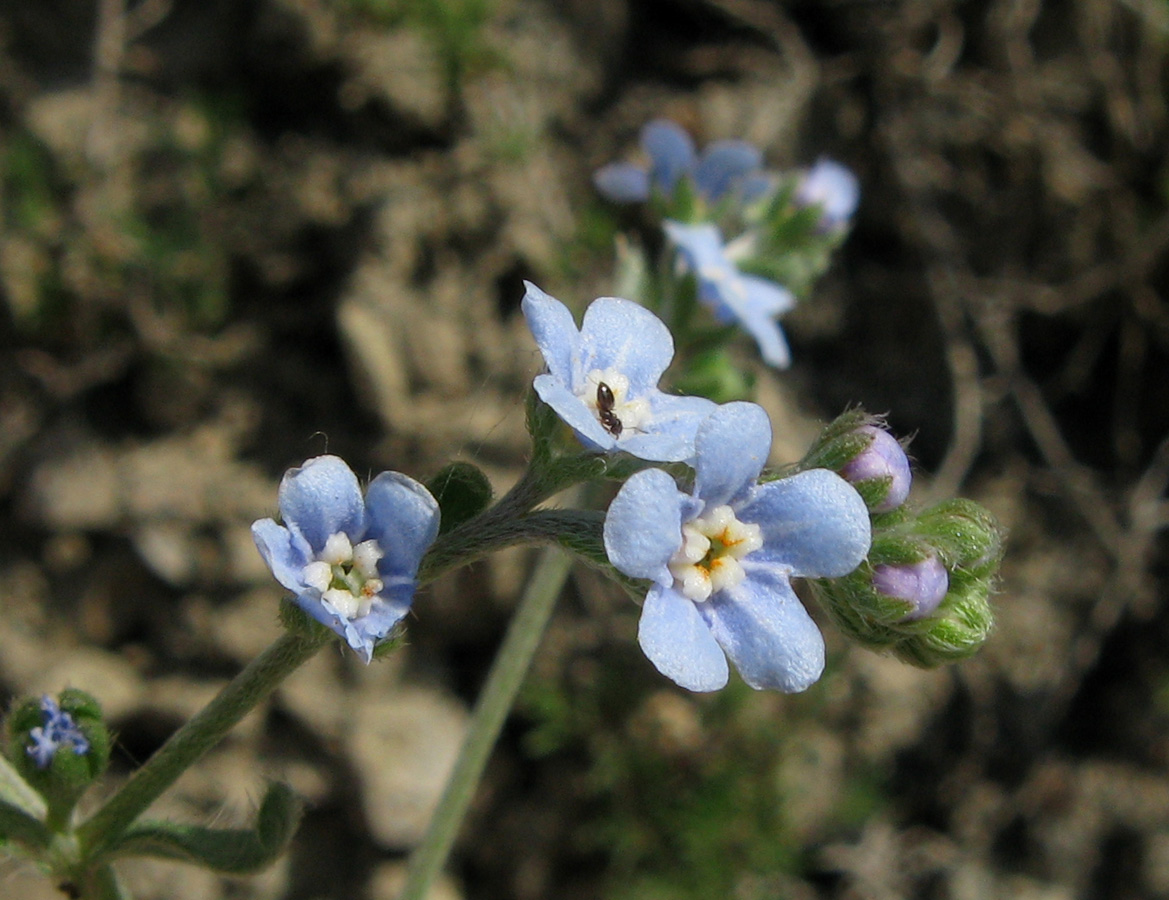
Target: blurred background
[{"x": 238, "y": 234}]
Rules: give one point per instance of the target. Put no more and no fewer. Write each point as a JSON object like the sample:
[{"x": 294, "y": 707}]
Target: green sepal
[
  {"x": 235, "y": 851},
  {"x": 967, "y": 539},
  {"x": 963, "y": 626},
  {"x": 297, "y": 621},
  {"x": 17, "y": 826},
  {"x": 838, "y": 443},
  {"x": 964, "y": 534},
  {"x": 462, "y": 492},
  {"x": 544, "y": 426},
  {"x": 391, "y": 642},
  {"x": 68, "y": 775}
]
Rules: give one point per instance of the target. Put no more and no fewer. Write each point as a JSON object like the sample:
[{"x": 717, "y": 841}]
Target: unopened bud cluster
[{"x": 923, "y": 592}]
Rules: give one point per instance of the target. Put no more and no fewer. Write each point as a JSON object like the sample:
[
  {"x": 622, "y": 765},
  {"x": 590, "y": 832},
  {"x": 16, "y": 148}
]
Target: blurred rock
[{"x": 403, "y": 747}]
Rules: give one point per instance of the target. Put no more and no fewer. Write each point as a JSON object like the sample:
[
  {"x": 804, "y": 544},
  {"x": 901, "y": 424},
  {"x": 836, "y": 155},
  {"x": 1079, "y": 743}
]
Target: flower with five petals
[
  {"x": 721, "y": 559},
  {"x": 748, "y": 300},
  {"x": 351, "y": 561},
  {"x": 602, "y": 379}
]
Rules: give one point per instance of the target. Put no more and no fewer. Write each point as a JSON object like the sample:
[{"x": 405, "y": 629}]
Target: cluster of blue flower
[
  {"x": 57, "y": 730},
  {"x": 712, "y": 538},
  {"x": 720, "y": 554},
  {"x": 719, "y": 558},
  {"x": 728, "y": 182}
]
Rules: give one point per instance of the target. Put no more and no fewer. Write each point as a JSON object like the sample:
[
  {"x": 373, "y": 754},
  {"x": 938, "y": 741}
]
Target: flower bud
[
  {"x": 923, "y": 584},
  {"x": 59, "y": 746},
  {"x": 880, "y": 471}
]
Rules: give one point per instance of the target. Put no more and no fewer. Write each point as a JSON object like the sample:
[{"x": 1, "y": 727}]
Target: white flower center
[
  {"x": 346, "y": 576},
  {"x": 712, "y": 546},
  {"x": 606, "y": 393}
]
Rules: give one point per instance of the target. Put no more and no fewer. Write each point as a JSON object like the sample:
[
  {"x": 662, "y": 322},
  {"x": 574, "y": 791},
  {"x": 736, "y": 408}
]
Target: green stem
[
  {"x": 495, "y": 701},
  {"x": 196, "y": 737}
]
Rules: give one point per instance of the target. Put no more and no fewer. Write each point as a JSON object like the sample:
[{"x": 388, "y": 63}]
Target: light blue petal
[
  {"x": 320, "y": 499},
  {"x": 834, "y": 188},
  {"x": 643, "y": 527},
  {"x": 769, "y": 336},
  {"x": 655, "y": 447},
  {"x": 626, "y": 336},
  {"x": 403, "y": 519},
  {"x": 767, "y": 633},
  {"x": 575, "y": 414},
  {"x": 732, "y": 446},
  {"x": 555, "y": 332},
  {"x": 671, "y": 152},
  {"x": 679, "y": 643},
  {"x": 767, "y": 297},
  {"x": 285, "y": 555},
  {"x": 670, "y": 435},
  {"x": 723, "y": 166},
  {"x": 701, "y": 247},
  {"x": 622, "y": 183},
  {"x": 367, "y": 632},
  {"x": 756, "y": 186},
  {"x": 815, "y": 524}
]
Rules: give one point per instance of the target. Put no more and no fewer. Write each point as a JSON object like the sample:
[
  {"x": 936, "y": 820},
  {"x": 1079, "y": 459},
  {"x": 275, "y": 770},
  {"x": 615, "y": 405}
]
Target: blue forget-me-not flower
[
  {"x": 602, "y": 379},
  {"x": 833, "y": 188},
  {"x": 351, "y": 561},
  {"x": 733, "y": 296},
  {"x": 721, "y": 559},
  {"x": 723, "y": 167},
  {"x": 57, "y": 729}
]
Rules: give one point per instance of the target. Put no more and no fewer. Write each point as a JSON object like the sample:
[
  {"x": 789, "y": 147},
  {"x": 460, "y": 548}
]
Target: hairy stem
[
  {"x": 503, "y": 683},
  {"x": 249, "y": 688}
]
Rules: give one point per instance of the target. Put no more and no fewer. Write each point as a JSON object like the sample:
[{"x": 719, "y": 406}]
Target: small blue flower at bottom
[
  {"x": 721, "y": 559},
  {"x": 747, "y": 300},
  {"x": 352, "y": 562},
  {"x": 602, "y": 379},
  {"x": 57, "y": 729}
]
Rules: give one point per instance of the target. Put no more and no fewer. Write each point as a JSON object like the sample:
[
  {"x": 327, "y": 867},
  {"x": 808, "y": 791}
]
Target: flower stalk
[
  {"x": 186, "y": 746},
  {"x": 495, "y": 702}
]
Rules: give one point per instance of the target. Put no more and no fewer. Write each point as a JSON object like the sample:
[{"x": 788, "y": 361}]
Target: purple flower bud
[
  {"x": 923, "y": 584},
  {"x": 883, "y": 458}
]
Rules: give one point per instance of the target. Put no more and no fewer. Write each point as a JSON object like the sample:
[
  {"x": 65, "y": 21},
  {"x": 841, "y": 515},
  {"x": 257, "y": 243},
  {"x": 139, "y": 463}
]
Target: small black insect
[{"x": 605, "y": 402}]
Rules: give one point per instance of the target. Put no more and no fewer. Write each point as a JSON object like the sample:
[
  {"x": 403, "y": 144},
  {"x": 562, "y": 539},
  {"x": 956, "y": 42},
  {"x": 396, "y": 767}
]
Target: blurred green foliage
[
  {"x": 455, "y": 28},
  {"x": 91, "y": 240},
  {"x": 690, "y": 796}
]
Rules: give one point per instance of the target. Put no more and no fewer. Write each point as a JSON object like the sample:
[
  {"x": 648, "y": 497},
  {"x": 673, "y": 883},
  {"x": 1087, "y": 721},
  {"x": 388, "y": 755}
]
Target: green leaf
[
  {"x": 17, "y": 825},
  {"x": 462, "y": 492},
  {"x": 236, "y": 851},
  {"x": 18, "y": 792}
]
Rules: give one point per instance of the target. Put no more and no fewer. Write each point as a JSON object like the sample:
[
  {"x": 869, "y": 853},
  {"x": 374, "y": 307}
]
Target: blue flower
[
  {"x": 603, "y": 379},
  {"x": 722, "y": 558},
  {"x": 833, "y": 188},
  {"x": 723, "y": 167},
  {"x": 351, "y": 561},
  {"x": 747, "y": 300},
  {"x": 57, "y": 729}
]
